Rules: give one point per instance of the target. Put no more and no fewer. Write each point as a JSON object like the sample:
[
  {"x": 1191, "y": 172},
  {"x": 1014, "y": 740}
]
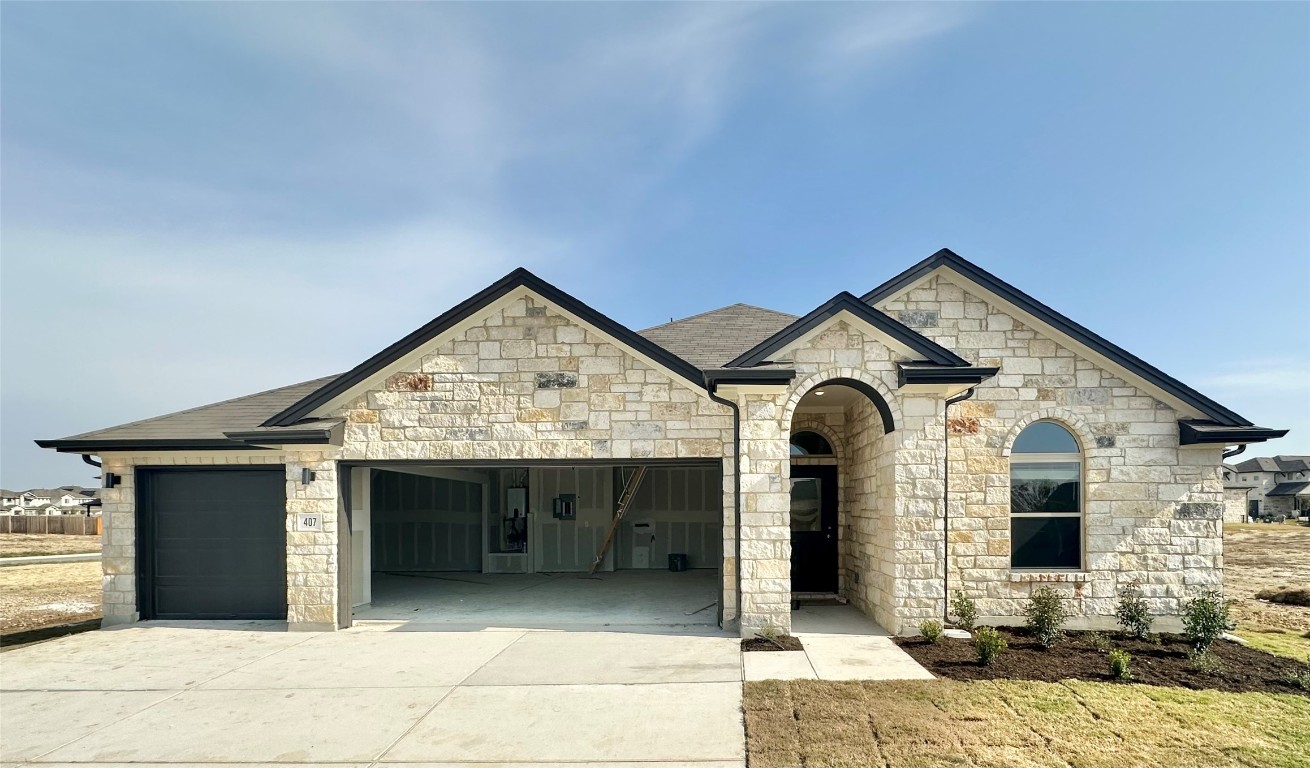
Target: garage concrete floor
[
  {"x": 655, "y": 601},
  {"x": 251, "y": 693}
]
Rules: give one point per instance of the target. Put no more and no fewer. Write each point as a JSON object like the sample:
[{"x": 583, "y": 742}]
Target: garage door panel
[{"x": 214, "y": 543}]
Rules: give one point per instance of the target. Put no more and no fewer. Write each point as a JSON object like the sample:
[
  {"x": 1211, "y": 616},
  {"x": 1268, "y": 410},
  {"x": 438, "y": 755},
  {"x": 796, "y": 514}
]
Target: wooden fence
[{"x": 68, "y": 525}]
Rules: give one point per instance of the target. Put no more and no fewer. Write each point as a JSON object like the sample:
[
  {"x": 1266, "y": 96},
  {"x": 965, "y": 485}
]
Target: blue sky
[{"x": 176, "y": 176}]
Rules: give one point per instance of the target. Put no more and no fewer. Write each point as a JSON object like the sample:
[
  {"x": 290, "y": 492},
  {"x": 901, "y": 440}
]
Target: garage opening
[
  {"x": 211, "y": 543},
  {"x": 537, "y": 546}
]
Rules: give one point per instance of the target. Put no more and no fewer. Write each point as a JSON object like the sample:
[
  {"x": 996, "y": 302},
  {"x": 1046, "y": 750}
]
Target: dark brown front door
[{"x": 813, "y": 528}]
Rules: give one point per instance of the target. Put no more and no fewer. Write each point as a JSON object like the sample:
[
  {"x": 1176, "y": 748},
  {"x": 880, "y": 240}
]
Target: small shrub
[
  {"x": 1119, "y": 664},
  {"x": 1046, "y": 614},
  {"x": 1131, "y": 611},
  {"x": 964, "y": 610},
  {"x": 1098, "y": 640},
  {"x": 1287, "y": 596},
  {"x": 770, "y": 633},
  {"x": 1205, "y": 618},
  {"x": 989, "y": 644},
  {"x": 1298, "y": 678},
  {"x": 931, "y": 630},
  {"x": 1205, "y": 662}
]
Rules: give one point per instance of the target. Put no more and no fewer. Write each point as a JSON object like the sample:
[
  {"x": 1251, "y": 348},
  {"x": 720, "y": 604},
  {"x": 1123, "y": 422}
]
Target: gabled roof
[
  {"x": 845, "y": 302},
  {"x": 196, "y": 428},
  {"x": 519, "y": 278},
  {"x": 711, "y": 339},
  {"x": 1275, "y": 464},
  {"x": 946, "y": 259}
]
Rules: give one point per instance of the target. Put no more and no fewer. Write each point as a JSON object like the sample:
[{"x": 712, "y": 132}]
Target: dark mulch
[
  {"x": 1243, "y": 668},
  {"x": 784, "y": 643}
]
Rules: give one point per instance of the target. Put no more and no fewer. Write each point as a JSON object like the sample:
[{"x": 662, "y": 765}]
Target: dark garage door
[{"x": 212, "y": 543}]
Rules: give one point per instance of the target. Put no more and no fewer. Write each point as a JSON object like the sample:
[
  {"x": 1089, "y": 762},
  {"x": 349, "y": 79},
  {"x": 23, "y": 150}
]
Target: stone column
[
  {"x": 765, "y": 520},
  {"x": 916, "y": 590},
  {"x": 312, "y": 561},
  {"x": 118, "y": 546}
]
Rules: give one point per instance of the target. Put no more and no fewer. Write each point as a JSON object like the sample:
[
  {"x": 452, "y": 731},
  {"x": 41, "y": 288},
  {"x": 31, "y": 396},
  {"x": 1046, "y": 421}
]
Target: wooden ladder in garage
[{"x": 625, "y": 500}]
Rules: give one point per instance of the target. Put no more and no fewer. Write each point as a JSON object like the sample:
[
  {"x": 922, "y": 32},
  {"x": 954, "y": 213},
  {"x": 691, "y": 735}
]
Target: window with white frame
[{"x": 1046, "y": 499}]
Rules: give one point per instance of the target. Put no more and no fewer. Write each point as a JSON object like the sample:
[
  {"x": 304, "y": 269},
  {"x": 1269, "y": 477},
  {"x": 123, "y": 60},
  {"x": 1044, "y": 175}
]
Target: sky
[{"x": 200, "y": 201}]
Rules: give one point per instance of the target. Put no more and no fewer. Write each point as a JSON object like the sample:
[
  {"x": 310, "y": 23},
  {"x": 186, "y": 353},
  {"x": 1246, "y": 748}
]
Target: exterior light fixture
[
  {"x": 111, "y": 480},
  {"x": 306, "y": 476},
  {"x": 819, "y": 393}
]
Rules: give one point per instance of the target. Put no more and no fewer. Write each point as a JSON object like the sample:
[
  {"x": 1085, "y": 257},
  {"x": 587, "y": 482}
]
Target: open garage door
[{"x": 212, "y": 543}]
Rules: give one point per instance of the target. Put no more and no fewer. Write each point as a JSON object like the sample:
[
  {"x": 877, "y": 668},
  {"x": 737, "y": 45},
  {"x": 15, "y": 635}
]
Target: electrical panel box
[{"x": 565, "y": 507}]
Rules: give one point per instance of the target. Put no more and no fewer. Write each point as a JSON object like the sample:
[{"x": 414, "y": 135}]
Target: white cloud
[{"x": 1264, "y": 375}]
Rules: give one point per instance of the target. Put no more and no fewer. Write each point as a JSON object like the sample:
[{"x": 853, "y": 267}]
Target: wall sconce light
[
  {"x": 111, "y": 480},
  {"x": 306, "y": 476}
]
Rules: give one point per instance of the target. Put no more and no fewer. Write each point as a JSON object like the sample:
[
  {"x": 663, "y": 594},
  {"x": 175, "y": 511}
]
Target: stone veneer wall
[
  {"x": 1153, "y": 510},
  {"x": 528, "y": 383},
  {"x": 313, "y": 561},
  {"x": 118, "y": 518}
]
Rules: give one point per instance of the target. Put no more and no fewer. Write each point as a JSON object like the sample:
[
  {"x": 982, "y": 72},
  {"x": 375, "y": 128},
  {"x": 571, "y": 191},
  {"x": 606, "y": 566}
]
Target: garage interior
[{"x": 537, "y": 546}]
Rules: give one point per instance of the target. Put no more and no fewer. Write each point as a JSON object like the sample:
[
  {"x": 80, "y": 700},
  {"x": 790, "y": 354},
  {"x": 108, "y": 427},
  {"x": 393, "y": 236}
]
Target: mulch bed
[
  {"x": 784, "y": 643},
  {"x": 1167, "y": 664}
]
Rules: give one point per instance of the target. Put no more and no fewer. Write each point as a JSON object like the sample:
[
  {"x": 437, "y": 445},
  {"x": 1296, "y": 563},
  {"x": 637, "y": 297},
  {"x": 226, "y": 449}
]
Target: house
[
  {"x": 67, "y": 500},
  {"x": 944, "y": 431},
  {"x": 1267, "y": 487}
]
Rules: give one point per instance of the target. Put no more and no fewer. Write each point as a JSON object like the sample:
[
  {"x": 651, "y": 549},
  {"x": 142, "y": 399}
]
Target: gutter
[
  {"x": 736, "y": 491},
  {"x": 946, "y": 500}
]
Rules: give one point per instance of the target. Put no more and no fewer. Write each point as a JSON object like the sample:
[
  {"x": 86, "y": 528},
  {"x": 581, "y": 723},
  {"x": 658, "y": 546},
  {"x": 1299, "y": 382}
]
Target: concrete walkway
[
  {"x": 840, "y": 644},
  {"x": 249, "y": 693}
]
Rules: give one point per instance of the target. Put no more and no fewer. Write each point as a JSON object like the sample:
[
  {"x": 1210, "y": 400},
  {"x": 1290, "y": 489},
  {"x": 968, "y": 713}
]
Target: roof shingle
[{"x": 711, "y": 339}]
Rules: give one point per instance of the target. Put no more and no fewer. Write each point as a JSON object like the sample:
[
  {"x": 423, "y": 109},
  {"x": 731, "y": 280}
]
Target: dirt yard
[
  {"x": 1262, "y": 556},
  {"x": 1019, "y": 724},
  {"x": 27, "y": 545},
  {"x": 33, "y": 596}
]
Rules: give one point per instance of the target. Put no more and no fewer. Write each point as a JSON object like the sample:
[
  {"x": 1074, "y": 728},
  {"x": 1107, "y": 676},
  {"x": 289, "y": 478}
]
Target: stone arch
[
  {"x": 856, "y": 379},
  {"x": 814, "y": 424},
  {"x": 1076, "y": 425}
]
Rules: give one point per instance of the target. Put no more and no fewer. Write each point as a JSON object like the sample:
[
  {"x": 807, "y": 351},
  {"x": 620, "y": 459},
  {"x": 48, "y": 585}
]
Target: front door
[{"x": 813, "y": 528}]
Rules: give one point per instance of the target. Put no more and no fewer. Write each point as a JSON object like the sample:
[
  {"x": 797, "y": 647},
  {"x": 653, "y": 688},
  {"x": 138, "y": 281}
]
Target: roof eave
[{"x": 154, "y": 444}]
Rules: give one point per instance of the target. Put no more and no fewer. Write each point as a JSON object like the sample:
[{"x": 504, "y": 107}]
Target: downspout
[
  {"x": 946, "y": 500},
  {"x": 1234, "y": 451},
  {"x": 87, "y": 458},
  {"x": 736, "y": 493}
]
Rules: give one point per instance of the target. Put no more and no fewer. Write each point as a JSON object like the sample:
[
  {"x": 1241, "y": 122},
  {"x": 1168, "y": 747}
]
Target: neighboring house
[
  {"x": 1267, "y": 487},
  {"x": 944, "y": 431},
  {"x": 68, "y": 500}
]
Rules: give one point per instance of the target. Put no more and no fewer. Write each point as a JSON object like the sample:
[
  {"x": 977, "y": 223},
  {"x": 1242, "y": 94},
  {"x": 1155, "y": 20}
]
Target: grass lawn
[
  {"x": 1263, "y": 556},
  {"x": 29, "y": 545},
  {"x": 1020, "y": 724}
]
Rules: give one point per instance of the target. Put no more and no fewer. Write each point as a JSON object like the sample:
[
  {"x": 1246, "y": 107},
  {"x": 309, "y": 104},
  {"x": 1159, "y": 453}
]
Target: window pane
[
  {"x": 809, "y": 444},
  {"x": 805, "y": 500},
  {"x": 1045, "y": 437},
  {"x": 1044, "y": 488},
  {"x": 1045, "y": 542}
]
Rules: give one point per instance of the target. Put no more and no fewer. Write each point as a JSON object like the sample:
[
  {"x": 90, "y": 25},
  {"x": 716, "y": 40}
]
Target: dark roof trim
[
  {"x": 1289, "y": 489},
  {"x": 1194, "y": 432},
  {"x": 158, "y": 444},
  {"x": 519, "y": 278},
  {"x": 946, "y": 258},
  {"x": 940, "y": 374},
  {"x": 761, "y": 376},
  {"x": 258, "y": 437},
  {"x": 845, "y": 302}
]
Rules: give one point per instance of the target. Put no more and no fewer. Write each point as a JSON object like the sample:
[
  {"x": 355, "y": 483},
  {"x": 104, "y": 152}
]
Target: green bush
[
  {"x": 989, "y": 644},
  {"x": 931, "y": 630},
  {"x": 1133, "y": 616},
  {"x": 1205, "y": 618},
  {"x": 1119, "y": 664},
  {"x": 964, "y": 610},
  {"x": 1046, "y": 614},
  {"x": 1298, "y": 678}
]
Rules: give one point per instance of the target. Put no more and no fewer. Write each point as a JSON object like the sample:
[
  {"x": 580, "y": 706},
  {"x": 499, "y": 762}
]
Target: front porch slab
[{"x": 840, "y": 644}]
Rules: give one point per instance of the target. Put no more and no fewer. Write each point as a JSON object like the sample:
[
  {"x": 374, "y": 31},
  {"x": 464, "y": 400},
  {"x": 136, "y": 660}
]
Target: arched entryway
[{"x": 837, "y": 430}]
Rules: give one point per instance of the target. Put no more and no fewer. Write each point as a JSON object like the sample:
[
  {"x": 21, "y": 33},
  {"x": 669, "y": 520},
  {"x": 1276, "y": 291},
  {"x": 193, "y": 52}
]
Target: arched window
[
  {"x": 810, "y": 444},
  {"x": 1046, "y": 499}
]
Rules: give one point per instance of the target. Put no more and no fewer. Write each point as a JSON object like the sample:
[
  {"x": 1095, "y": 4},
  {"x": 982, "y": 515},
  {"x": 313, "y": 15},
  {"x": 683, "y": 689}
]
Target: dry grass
[
  {"x": 1009, "y": 724},
  {"x": 34, "y": 596},
  {"x": 25, "y": 544},
  {"x": 1259, "y": 557}
]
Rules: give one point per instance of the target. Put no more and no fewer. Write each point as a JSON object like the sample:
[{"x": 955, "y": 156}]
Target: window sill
[{"x": 1057, "y": 577}]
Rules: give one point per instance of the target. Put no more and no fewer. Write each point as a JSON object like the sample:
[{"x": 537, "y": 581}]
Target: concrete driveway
[{"x": 249, "y": 693}]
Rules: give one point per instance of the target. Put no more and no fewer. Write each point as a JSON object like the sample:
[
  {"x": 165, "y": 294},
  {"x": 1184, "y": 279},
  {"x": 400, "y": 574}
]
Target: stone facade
[
  {"x": 1153, "y": 509},
  {"x": 525, "y": 381}
]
